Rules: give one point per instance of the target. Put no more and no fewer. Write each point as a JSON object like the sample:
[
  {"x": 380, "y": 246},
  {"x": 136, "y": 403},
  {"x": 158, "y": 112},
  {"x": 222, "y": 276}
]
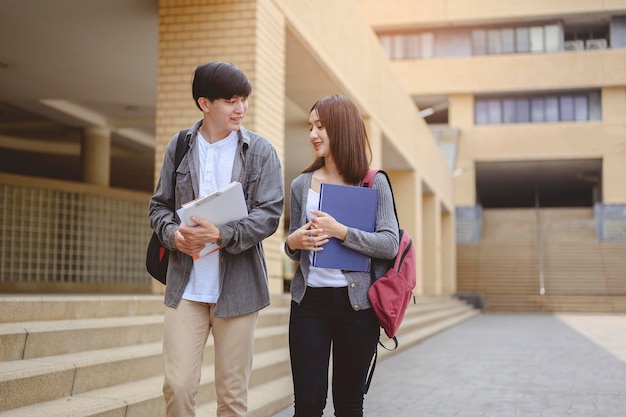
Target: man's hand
[{"x": 191, "y": 239}]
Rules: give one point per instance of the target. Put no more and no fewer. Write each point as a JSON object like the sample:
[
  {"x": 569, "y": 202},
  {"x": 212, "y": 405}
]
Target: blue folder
[{"x": 354, "y": 207}]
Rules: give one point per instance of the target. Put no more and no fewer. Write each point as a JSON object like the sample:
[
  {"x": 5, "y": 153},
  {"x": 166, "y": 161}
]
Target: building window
[
  {"x": 408, "y": 45},
  {"x": 546, "y": 38},
  {"x": 574, "y": 107},
  {"x": 583, "y": 36},
  {"x": 537, "y": 38}
]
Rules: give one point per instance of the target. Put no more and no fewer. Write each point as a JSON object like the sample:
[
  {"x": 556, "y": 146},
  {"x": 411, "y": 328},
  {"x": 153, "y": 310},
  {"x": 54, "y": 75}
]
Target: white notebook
[{"x": 220, "y": 207}]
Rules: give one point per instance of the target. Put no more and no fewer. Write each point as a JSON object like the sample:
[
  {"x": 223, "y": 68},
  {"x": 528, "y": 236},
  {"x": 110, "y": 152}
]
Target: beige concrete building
[
  {"x": 528, "y": 101},
  {"x": 82, "y": 138},
  {"x": 502, "y": 126}
]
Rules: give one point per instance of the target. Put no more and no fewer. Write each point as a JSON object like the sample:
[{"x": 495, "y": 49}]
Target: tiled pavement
[{"x": 506, "y": 365}]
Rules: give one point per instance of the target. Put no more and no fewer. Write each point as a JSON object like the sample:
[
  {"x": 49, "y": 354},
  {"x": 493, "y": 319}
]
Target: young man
[{"x": 221, "y": 292}]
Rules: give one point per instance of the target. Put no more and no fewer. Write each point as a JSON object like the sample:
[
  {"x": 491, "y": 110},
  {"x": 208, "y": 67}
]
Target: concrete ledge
[
  {"x": 21, "y": 308},
  {"x": 27, "y": 382},
  {"x": 68, "y": 336}
]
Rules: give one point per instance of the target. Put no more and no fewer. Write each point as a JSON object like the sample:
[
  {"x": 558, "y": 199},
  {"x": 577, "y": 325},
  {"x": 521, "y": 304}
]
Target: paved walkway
[{"x": 507, "y": 365}]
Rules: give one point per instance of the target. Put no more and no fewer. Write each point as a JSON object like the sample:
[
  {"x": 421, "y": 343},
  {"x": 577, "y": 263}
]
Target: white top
[
  {"x": 216, "y": 167},
  {"x": 321, "y": 277}
]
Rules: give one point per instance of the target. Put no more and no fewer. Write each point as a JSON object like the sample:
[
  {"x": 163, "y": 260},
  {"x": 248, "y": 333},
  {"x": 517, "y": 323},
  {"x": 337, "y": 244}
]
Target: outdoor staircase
[
  {"x": 100, "y": 355},
  {"x": 523, "y": 250}
]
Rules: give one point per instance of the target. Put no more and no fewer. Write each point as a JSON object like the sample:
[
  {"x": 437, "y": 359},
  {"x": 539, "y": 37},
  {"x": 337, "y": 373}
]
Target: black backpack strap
[
  {"x": 371, "y": 372},
  {"x": 182, "y": 146}
]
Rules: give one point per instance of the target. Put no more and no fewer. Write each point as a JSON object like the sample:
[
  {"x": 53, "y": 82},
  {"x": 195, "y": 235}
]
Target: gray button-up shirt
[{"x": 243, "y": 272}]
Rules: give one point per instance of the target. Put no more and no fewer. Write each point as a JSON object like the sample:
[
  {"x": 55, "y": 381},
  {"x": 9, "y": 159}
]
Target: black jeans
[{"x": 323, "y": 319}]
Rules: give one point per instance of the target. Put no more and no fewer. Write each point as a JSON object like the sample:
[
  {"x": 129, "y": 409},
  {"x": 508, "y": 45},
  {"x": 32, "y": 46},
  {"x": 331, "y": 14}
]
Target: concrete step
[
  {"x": 27, "y": 340},
  {"x": 76, "y": 373},
  {"x": 38, "y": 339},
  {"x": 25, "y": 308},
  {"x": 425, "y": 319},
  {"x": 143, "y": 397},
  {"x": 112, "y": 374},
  {"x": 410, "y": 336},
  {"x": 263, "y": 400}
]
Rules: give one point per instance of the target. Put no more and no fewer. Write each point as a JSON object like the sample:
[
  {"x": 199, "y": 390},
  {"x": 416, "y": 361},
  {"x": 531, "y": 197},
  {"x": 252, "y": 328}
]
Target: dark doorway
[{"x": 556, "y": 183}]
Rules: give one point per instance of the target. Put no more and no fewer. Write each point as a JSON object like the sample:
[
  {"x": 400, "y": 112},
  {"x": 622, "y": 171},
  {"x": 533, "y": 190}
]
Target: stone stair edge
[
  {"x": 23, "y": 368},
  {"x": 408, "y": 338},
  {"x": 146, "y": 389},
  {"x": 285, "y": 398},
  {"x": 264, "y": 400},
  {"x": 52, "y": 307},
  {"x": 425, "y": 319}
]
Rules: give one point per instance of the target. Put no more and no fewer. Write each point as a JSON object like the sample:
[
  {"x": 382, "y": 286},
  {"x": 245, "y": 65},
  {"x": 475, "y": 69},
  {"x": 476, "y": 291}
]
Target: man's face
[{"x": 227, "y": 114}]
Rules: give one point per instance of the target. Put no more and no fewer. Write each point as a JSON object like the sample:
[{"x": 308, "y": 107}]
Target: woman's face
[{"x": 318, "y": 136}]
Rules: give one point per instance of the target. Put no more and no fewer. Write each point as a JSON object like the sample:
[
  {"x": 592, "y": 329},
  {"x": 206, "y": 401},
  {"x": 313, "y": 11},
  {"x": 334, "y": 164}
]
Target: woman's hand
[
  {"x": 327, "y": 223},
  {"x": 307, "y": 238}
]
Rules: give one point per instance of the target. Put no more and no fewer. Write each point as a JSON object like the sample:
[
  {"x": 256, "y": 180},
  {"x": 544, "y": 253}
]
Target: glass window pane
[
  {"x": 508, "y": 109},
  {"x": 453, "y": 42},
  {"x": 508, "y": 41},
  {"x": 495, "y": 111},
  {"x": 428, "y": 44},
  {"x": 552, "y": 109},
  {"x": 480, "y": 112},
  {"x": 479, "y": 42},
  {"x": 537, "y": 110},
  {"x": 536, "y": 39},
  {"x": 522, "y": 108},
  {"x": 553, "y": 38},
  {"x": 618, "y": 32},
  {"x": 386, "y": 42},
  {"x": 412, "y": 49},
  {"x": 398, "y": 46},
  {"x": 494, "y": 44},
  {"x": 595, "y": 106},
  {"x": 567, "y": 108},
  {"x": 580, "y": 108},
  {"x": 522, "y": 40}
]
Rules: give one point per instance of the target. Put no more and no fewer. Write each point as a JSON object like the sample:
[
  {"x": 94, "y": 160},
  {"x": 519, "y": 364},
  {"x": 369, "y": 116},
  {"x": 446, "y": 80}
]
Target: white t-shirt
[
  {"x": 321, "y": 277},
  {"x": 216, "y": 167}
]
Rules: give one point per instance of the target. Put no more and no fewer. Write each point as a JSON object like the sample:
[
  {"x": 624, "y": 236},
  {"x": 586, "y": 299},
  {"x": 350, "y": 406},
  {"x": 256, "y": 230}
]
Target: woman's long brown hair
[{"x": 349, "y": 143}]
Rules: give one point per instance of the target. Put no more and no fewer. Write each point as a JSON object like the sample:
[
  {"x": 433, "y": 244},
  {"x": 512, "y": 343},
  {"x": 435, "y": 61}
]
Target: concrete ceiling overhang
[
  {"x": 70, "y": 64},
  {"x": 308, "y": 80},
  {"x": 73, "y": 64}
]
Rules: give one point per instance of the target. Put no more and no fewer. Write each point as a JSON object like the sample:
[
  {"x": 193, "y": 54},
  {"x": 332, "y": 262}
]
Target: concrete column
[
  {"x": 96, "y": 156},
  {"x": 252, "y": 35},
  {"x": 461, "y": 117},
  {"x": 614, "y": 161},
  {"x": 448, "y": 252},
  {"x": 407, "y": 190},
  {"x": 431, "y": 249},
  {"x": 268, "y": 105},
  {"x": 375, "y": 136}
]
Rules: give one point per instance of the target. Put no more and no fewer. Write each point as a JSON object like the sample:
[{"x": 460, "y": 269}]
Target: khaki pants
[{"x": 186, "y": 331}]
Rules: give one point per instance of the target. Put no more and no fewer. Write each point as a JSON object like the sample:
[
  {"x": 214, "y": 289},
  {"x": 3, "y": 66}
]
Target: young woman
[{"x": 329, "y": 308}]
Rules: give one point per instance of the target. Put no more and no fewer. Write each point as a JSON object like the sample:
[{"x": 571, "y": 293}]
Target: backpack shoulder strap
[
  {"x": 368, "y": 181},
  {"x": 182, "y": 146}
]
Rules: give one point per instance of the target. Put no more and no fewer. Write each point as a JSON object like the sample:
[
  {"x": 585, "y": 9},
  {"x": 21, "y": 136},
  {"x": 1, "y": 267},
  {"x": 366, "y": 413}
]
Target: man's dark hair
[{"x": 217, "y": 80}]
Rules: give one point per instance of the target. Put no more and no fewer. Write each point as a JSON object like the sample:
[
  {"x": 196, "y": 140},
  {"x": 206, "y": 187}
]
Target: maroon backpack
[{"x": 390, "y": 294}]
